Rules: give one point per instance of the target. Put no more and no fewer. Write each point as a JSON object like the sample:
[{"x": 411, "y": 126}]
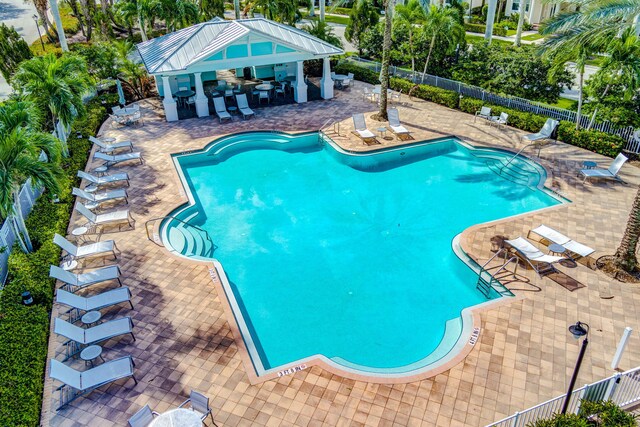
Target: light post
[
  {"x": 578, "y": 330},
  {"x": 35, "y": 18}
]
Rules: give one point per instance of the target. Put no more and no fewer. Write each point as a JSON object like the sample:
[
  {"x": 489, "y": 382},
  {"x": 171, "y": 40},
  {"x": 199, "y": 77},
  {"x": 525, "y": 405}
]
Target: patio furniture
[
  {"x": 91, "y": 353},
  {"x": 108, "y": 218},
  {"x": 280, "y": 89},
  {"x": 499, "y": 121},
  {"x": 142, "y": 418},
  {"x": 577, "y": 249},
  {"x": 484, "y": 113},
  {"x": 367, "y": 95},
  {"x": 183, "y": 94},
  {"x": 77, "y": 281},
  {"x": 610, "y": 173},
  {"x": 547, "y": 132},
  {"x": 396, "y": 96},
  {"x": 346, "y": 83},
  {"x": 111, "y": 160},
  {"x": 264, "y": 95},
  {"x": 541, "y": 263},
  {"x": 394, "y": 122},
  {"x": 221, "y": 109},
  {"x": 96, "y": 199},
  {"x": 360, "y": 126},
  {"x": 243, "y": 106},
  {"x": 238, "y": 89},
  {"x": 76, "y": 383},
  {"x": 338, "y": 79},
  {"x": 200, "y": 405},
  {"x": 108, "y": 148},
  {"x": 177, "y": 417},
  {"x": 106, "y": 179},
  {"x": 95, "y": 302},
  {"x": 78, "y": 338},
  {"x": 85, "y": 251}
]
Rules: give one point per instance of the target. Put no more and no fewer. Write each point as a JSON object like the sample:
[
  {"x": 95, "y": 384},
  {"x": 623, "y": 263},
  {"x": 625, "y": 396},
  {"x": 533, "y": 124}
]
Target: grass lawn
[
  {"x": 595, "y": 61},
  {"x": 532, "y": 37},
  {"x": 567, "y": 104},
  {"x": 511, "y": 32},
  {"x": 478, "y": 39},
  {"x": 344, "y": 20}
]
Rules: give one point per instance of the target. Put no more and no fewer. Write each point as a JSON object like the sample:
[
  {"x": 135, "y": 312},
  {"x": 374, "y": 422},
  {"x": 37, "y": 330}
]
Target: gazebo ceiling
[{"x": 219, "y": 44}]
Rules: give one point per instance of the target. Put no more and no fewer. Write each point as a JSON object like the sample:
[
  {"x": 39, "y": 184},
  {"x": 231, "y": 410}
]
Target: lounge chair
[
  {"x": 82, "y": 280},
  {"x": 78, "y": 337},
  {"x": 611, "y": 173},
  {"x": 243, "y": 106},
  {"x": 115, "y": 217},
  {"x": 199, "y": 405},
  {"x": 85, "y": 382},
  {"x": 96, "y": 199},
  {"x": 118, "y": 158},
  {"x": 499, "y": 121},
  {"x": 484, "y": 113},
  {"x": 92, "y": 249},
  {"x": 108, "y": 148},
  {"x": 95, "y": 302},
  {"x": 577, "y": 249},
  {"x": 394, "y": 122},
  {"x": 547, "y": 132},
  {"x": 107, "y": 179},
  {"x": 221, "y": 109},
  {"x": 541, "y": 263},
  {"x": 361, "y": 128},
  {"x": 143, "y": 417}
]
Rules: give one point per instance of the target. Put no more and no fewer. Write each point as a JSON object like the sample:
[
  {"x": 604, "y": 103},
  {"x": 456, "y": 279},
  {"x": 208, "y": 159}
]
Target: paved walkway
[{"x": 524, "y": 354}]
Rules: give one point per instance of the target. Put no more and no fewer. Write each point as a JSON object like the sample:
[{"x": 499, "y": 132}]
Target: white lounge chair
[
  {"x": 92, "y": 249},
  {"x": 118, "y": 158},
  {"x": 541, "y": 263},
  {"x": 221, "y": 109},
  {"x": 115, "y": 217},
  {"x": 499, "y": 121},
  {"x": 394, "y": 122},
  {"x": 547, "y": 132},
  {"x": 108, "y": 148},
  {"x": 243, "y": 106},
  {"x": 199, "y": 403},
  {"x": 107, "y": 179},
  {"x": 76, "y": 383},
  {"x": 558, "y": 238},
  {"x": 93, "y": 335},
  {"x": 610, "y": 173},
  {"x": 142, "y": 418},
  {"x": 484, "y": 113},
  {"x": 82, "y": 280},
  {"x": 360, "y": 126},
  {"x": 96, "y": 199},
  {"x": 95, "y": 302}
]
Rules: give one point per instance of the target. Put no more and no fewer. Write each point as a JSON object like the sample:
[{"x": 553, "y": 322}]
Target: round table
[
  {"x": 91, "y": 188},
  {"x": 69, "y": 264},
  {"x": 179, "y": 417},
  {"x": 383, "y": 131},
  {"x": 232, "y": 109},
  {"x": 184, "y": 94},
  {"x": 79, "y": 233},
  {"x": 264, "y": 87},
  {"x": 91, "y": 353},
  {"x": 587, "y": 164},
  {"x": 108, "y": 139},
  {"x": 100, "y": 170},
  {"x": 556, "y": 249},
  {"x": 91, "y": 317}
]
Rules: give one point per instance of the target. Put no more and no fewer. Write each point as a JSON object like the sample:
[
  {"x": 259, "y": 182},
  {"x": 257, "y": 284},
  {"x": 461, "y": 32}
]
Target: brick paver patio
[{"x": 524, "y": 355}]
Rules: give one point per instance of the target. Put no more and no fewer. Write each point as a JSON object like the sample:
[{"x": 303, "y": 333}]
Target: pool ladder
[
  {"x": 488, "y": 281},
  {"x": 330, "y": 126}
]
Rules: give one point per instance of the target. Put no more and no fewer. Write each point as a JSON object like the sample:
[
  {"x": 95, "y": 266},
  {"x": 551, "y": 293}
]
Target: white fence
[
  {"x": 513, "y": 102},
  {"x": 622, "y": 389}
]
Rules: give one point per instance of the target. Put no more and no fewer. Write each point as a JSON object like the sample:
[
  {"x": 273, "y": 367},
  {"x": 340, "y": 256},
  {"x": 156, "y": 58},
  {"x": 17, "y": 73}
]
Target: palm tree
[
  {"x": 20, "y": 148},
  {"x": 491, "y": 15},
  {"x": 285, "y": 11},
  {"x": 441, "y": 23},
  {"x": 56, "y": 17},
  {"x": 142, "y": 11},
  {"x": 412, "y": 14},
  {"x": 521, "y": 10},
  {"x": 236, "y": 8},
  {"x": 386, "y": 53},
  {"x": 179, "y": 13},
  {"x": 130, "y": 72},
  {"x": 56, "y": 85},
  {"x": 323, "y": 31},
  {"x": 625, "y": 256}
]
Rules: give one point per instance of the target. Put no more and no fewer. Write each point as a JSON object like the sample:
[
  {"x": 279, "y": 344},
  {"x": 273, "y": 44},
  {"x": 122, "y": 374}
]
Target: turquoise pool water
[{"x": 349, "y": 257}]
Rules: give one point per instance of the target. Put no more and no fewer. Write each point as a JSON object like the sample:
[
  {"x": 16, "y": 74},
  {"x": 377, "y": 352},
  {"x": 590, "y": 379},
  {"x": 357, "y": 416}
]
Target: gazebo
[{"x": 255, "y": 48}]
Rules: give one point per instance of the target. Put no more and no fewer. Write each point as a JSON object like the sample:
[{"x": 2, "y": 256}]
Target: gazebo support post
[
  {"x": 326, "y": 83},
  {"x": 300, "y": 89},
  {"x": 170, "y": 107},
  {"x": 202, "y": 102}
]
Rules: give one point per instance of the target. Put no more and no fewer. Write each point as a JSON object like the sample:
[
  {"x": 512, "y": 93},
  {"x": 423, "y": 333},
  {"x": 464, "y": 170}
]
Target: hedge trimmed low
[
  {"x": 481, "y": 29},
  {"x": 24, "y": 330}
]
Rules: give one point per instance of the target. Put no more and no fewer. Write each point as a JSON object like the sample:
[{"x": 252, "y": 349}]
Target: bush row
[
  {"x": 480, "y": 28},
  {"x": 598, "y": 142},
  {"x": 24, "y": 330}
]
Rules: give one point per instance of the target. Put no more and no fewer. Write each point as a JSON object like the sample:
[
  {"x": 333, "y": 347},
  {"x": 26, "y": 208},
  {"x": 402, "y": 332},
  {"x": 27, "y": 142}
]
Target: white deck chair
[
  {"x": 484, "y": 113},
  {"x": 243, "y": 105},
  {"x": 142, "y": 418},
  {"x": 500, "y": 121},
  {"x": 558, "y": 238},
  {"x": 546, "y": 132},
  {"x": 94, "y": 334},
  {"x": 103, "y": 248},
  {"x": 394, "y": 122},
  {"x": 108, "y": 148},
  {"x": 108, "y": 218},
  {"x": 76, "y": 383},
  {"x": 199, "y": 403},
  {"x": 610, "y": 173},
  {"x": 360, "y": 126},
  {"x": 118, "y": 158},
  {"x": 221, "y": 109},
  {"x": 95, "y": 302},
  {"x": 541, "y": 263},
  {"x": 96, "y": 199},
  {"x": 107, "y": 179},
  {"x": 82, "y": 280}
]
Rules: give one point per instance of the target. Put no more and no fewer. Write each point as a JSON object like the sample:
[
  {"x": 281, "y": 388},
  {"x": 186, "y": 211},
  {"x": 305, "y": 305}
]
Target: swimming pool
[{"x": 346, "y": 257}]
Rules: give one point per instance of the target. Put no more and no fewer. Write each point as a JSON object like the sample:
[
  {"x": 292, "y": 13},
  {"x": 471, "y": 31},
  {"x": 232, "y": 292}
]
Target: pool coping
[{"x": 471, "y": 329}]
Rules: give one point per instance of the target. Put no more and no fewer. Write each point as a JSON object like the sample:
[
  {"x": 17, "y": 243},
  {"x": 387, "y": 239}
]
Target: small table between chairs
[
  {"x": 184, "y": 94},
  {"x": 91, "y": 353},
  {"x": 178, "y": 417}
]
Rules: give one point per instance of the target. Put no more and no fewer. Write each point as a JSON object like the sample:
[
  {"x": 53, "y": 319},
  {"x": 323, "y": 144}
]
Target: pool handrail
[{"x": 146, "y": 227}]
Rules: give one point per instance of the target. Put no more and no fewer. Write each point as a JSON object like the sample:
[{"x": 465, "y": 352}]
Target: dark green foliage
[
  {"x": 481, "y": 28},
  {"x": 100, "y": 59},
  {"x": 447, "y": 98},
  {"x": 608, "y": 413},
  {"x": 13, "y": 50},
  {"x": 560, "y": 420},
  {"x": 24, "y": 330},
  {"x": 362, "y": 18}
]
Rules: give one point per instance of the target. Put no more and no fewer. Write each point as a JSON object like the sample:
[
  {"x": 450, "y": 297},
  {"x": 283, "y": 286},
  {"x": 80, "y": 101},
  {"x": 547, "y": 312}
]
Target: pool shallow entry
[{"x": 346, "y": 257}]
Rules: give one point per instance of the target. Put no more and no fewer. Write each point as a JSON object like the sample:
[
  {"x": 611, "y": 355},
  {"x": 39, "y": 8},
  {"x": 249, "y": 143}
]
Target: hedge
[
  {"x": 24, "y": 330},
  {"x": 480, "y": 28}
]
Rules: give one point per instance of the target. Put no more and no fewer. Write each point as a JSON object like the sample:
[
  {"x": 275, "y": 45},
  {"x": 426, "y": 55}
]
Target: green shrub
[
  {"x": 24, "y": 330},
  {"x": 609, "y": 414},
  {"x": 447, "y": 98},
  {"x": 561, "y": 420},
  {"x": 360, "y": 73},
  {"x": 481, "y": 28}
]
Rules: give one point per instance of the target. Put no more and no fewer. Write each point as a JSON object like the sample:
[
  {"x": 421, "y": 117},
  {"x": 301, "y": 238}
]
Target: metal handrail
[
  {"x": 330, "y": 122},
  {"x": 515, "y": 155},
  {"x": 146, "y": 227}
]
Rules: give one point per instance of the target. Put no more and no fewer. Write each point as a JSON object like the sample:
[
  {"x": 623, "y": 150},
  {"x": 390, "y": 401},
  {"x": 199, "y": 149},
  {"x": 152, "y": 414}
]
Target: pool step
[
  {"x": 190, "y": 241},
  {"x": 514, "y": 172}
]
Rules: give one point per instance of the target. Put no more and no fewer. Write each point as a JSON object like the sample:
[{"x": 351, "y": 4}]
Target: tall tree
[
  {"x": 625, "y": 256},
  {"x": 211, "y": 8},
  {"x": 56, "y": 17},
  {"x": 411, "y": 14},
  {"x": 144, "y": 12},
  {"x": 491, "y": 16},
  {"x": 178, "y": 14},
  {"x": 386, "y": 53},
  {"x": 323, "y": 31},
  {"x": 20, "y": 147},
  {"x": 13, "y": 50},
  {"x": 285, "y": 11},
  {"x": 362, "y": 18},
  {"x": 441, "y": 23},
  {"x": 130, "y": 72},
  {"x": 42, "y": 6},
  {"x": 521, "y": 10}
]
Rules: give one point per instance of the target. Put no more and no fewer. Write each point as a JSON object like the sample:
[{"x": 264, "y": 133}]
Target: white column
[
  {"x": 202, "y": 102},
  {"x": 300, "y": 89},
  {"x": 326, "y": 83},
  {"x": 532, "y": 6},
  {"x": 170, "y": 107}
]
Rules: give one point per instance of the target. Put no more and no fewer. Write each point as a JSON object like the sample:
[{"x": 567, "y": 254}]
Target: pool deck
[{"x": 524, "y": 354}]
